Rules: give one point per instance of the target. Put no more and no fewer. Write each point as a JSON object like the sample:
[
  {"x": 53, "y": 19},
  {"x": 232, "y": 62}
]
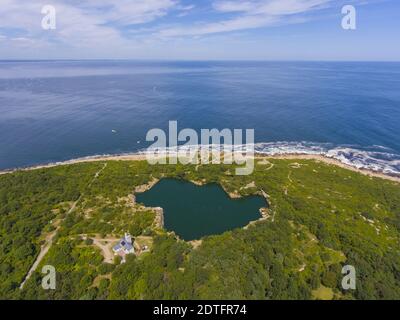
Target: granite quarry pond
[{"x": 193, "y": 212}]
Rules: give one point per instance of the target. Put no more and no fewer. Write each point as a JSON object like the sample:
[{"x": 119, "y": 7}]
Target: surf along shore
[{"x": 142, "y": 157}]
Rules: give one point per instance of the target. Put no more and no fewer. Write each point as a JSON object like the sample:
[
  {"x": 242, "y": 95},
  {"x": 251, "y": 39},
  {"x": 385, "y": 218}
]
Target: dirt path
[
  {"x": 44, "y": 249},
  {"x": 105, "y": 245},
  {"x": 289, "y": 177}
]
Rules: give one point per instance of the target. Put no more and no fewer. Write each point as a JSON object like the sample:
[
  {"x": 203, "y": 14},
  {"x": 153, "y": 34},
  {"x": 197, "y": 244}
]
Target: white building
[{"x": 124, "y": 247}]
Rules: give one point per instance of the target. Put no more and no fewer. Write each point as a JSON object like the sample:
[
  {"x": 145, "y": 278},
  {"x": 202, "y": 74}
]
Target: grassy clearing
[{"x": 322, "y": 217}]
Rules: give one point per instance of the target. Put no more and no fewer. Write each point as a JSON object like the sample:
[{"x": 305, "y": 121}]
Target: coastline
[
  {"x": 259, "y": 156},
  {"x": 334, "y": 162}
]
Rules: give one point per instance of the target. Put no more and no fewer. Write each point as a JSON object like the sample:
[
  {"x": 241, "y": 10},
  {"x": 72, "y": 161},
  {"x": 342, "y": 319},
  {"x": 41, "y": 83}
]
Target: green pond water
[{"x": 193, "y": 212}]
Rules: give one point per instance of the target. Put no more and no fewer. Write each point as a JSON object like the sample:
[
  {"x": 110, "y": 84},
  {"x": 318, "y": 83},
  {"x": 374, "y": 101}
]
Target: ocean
[{"x": 52, "y": 111}]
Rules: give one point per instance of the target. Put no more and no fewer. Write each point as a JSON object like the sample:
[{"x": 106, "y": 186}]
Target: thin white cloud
[
  {"x": 249, "y": 15},
  {"x": 185, "y": 10},
  {"x": 132, "y": 28},
  {"x": 125, "y": 12},
  {"x": 81, "y": 23},
  {"x": 236, "y": 24},
  {"x": 269, "y": 7}
]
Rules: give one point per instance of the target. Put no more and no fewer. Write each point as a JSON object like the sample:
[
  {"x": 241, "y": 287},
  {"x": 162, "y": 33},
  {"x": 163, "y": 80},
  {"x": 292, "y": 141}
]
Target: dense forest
[{"x": 321, "y": 217}]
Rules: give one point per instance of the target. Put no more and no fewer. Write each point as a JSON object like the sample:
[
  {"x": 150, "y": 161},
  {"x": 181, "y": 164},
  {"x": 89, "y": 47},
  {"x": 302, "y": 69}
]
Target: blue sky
[{"x": 200, "y": 30}]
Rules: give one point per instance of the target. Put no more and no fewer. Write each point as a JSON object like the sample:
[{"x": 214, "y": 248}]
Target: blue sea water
[{"x": 53, "y": 111}]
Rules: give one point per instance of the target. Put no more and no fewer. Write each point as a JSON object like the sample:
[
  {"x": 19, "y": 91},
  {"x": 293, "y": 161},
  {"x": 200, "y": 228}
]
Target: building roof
[
  {"x": 128, "y": 246},
  {"x": 124, "y": 244}
]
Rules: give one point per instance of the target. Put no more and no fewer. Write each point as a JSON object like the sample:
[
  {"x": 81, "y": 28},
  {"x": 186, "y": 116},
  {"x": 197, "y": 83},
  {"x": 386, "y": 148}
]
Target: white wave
[
  {"x": 370, "y": 158},
  {"x": 355, "y": 156},
  {"x": 387, "y": 163}
]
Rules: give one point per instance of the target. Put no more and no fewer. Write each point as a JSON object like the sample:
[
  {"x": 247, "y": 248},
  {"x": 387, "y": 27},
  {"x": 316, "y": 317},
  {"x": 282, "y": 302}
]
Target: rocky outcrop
[
  {"x": 159, "y": 220},
  {"x": 145, "y": 187}
]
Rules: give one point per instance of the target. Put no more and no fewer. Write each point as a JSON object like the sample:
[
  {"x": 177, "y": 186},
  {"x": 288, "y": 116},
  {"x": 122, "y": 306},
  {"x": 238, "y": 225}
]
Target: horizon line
[{"x": 195, "y": 60}]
